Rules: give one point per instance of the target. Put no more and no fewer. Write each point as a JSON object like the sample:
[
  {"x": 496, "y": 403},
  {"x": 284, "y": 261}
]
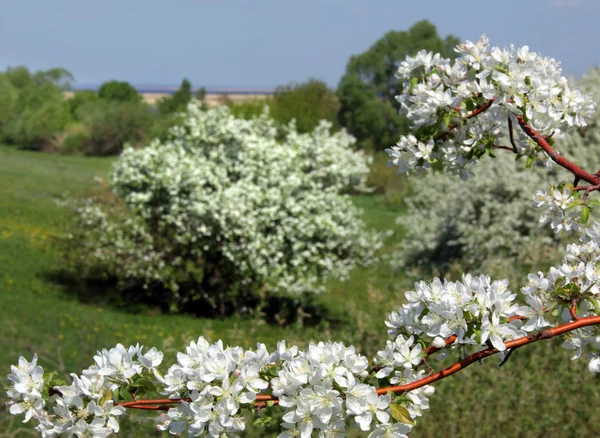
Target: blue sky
[{"x": 264, "y": 43}]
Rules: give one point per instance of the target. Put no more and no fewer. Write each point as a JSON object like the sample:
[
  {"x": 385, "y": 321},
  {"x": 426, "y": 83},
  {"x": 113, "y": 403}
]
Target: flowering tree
[{"x": 457, "y": 110}]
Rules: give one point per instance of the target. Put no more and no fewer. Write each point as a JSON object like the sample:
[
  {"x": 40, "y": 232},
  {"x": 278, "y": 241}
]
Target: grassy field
[{"x": 539, "y": 392}]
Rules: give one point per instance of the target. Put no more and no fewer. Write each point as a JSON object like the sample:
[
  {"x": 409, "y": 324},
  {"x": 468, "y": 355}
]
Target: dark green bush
[
  {"x": 119, "y": 91},
  {"x": 111, "y": 125},
  {"x": 178, "y": 101}
]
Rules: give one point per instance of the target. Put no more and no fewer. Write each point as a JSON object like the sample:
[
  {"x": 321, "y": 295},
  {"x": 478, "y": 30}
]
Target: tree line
[{"x": 35, "y": 114}]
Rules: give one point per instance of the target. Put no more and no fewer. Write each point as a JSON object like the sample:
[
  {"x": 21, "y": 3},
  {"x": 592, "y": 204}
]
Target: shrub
[
  {"x": 40, "y": 113},
  {"x": 72, "y": 140},
  {"x": 33, "y": 109},
  {"x": 81, "y": 98},
  {"x": 111, "y": 125},
  {"x": 178, "y": 101},
  {"x": 222, "y": 213},
  {"x": 119, "y": 91},
  {"x": 307, "y": 103},
  {"x": 250, "y": 109}
]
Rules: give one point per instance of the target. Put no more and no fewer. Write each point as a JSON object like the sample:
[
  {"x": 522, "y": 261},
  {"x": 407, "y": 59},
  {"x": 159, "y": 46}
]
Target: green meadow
[{"x": 539, "y": 392}]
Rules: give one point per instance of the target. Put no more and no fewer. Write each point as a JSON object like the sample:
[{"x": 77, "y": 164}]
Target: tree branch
[
  {"x": 542, "y": 142},
  {"x": 263, "y": 400},
  {"x": 481, "y": 108}
]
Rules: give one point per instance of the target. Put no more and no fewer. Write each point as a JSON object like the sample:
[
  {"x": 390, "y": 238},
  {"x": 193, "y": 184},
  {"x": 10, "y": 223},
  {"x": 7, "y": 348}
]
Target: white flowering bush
[
  {"x": 223, "y": 210},
  {"x": 329, "y": 386}
]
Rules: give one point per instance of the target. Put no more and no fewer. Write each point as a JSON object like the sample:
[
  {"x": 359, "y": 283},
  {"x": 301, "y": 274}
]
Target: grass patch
[{"x": 538, "y": 393}]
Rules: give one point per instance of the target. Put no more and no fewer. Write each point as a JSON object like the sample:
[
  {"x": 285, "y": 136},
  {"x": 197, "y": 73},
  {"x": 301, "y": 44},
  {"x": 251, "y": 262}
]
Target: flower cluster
[
  {"x": 213, "y": 382},
  {"x": 87, "y": 407},
  {"x": 225, "y": 201},
  {"x": 318, "y": 389},
  {"x": 556, "y": 208},
  {"x": 475, "y": 311},
  {"x": 440, "y": 98}
]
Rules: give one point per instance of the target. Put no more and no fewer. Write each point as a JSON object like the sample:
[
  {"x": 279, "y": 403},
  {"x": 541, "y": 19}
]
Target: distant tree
[
  {"x": 119, "y": 91},
  {"x": 178, "y": 101},
  {"x": 59, "y": 77},
  {"x": 367, "y": 89},
  {"x": 307, "y": 103},
  {"x": 19, "y": 76},
  {"x": 201, "y": 93}
]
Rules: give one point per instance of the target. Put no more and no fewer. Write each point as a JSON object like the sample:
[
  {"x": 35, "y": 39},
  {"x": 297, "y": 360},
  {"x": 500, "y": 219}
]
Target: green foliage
[
  {"x": 22, "y": 78},
  {"x": 39, "y": 114},
  {"x": 201, "y": 94},
  {"x": 178, "y": 101},
  {"x": 112, "y": 124},
  {"x": 8, "y": 100},
  {"x": 79, "y": 99},
  {"x": 33, "y": 109},
  {"x": 367, "y": 89},
  {"x": 307, "y": 103},
  {"x": 250, "y": 109},
  {"x": 119, "y": 91}
]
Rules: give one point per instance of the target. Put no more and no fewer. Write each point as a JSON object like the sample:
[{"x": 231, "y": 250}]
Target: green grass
[{"x": 539, "y": 392}]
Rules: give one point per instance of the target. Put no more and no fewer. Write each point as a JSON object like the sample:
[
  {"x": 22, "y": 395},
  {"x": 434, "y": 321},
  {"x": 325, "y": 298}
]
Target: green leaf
[
  {"x": 575, "y": 203},
  {"x": 401, "y": 414},
  {"x": 413, "y": 82},
  {"x": 400, "y": 399},
  {"x": 529, "y": 162},
  {"x": 270, "y": 403},
  {"x": 594, "y": 203},
  {"x": 585, "y": 214}
]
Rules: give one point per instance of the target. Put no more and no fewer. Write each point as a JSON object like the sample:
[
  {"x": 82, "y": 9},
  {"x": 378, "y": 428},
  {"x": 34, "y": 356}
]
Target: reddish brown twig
[
  {"x": 481, "y": 108},
  {"x": 573, "y": 310},
  {"x": 542, "y": 142}
]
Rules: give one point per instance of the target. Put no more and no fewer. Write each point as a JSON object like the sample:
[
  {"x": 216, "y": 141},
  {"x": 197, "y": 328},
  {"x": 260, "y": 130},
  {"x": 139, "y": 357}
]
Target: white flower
[{"x": 396, "y": 430}]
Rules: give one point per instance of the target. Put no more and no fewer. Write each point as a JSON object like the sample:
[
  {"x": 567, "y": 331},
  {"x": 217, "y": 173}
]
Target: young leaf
[
  {"x": 529, "y": 162},
  {"x": 594, "y": 203},
  {"x": 585, "y": 214},
  {"x": 401, "y": 414},
  {"x": 575, "y": 203}
]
